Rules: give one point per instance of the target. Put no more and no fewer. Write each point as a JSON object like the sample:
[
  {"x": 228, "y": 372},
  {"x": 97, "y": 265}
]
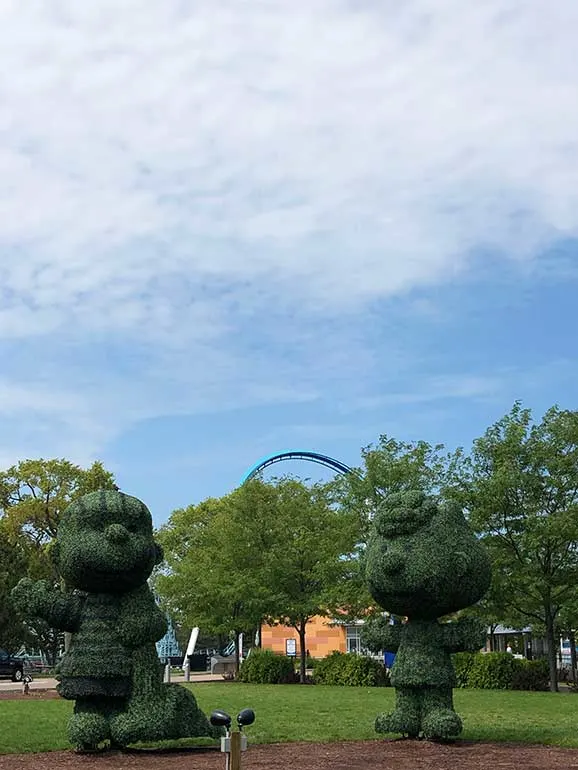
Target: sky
[{"x": 229, "y": 229}]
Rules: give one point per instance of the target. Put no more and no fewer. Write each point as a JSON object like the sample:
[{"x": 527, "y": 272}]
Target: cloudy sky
[{"x": 229, "y": 228}]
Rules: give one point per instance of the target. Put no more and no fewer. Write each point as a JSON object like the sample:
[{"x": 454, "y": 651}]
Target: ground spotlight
[
  {"x": 220, "y": 719},
  {"x": 245, "y": 717}
]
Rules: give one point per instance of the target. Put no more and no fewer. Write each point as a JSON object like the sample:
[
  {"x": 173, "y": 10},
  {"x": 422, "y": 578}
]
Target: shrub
[
  {"x": 351, "y": 670},
  {"x": 264, "y": 667},
  {"x": 493, "y": 671},
  {"x": 500, "y": 671},
  {"x": 532, "y": 675},
  {"x": 463, "y": 663}
]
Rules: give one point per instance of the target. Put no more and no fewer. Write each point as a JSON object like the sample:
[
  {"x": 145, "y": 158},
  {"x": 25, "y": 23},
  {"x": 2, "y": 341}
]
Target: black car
[{"x": 12, "y": 667}]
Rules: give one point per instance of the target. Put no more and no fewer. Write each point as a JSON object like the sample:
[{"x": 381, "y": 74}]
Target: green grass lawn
[{"x": 316, "y": 713}]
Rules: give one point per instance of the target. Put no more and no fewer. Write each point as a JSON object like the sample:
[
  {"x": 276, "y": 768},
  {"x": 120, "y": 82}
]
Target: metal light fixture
[
  {"x": 245, "y": 718},
  {"x": 220, "y": 718},
  {"x": 233, "y": 743}
]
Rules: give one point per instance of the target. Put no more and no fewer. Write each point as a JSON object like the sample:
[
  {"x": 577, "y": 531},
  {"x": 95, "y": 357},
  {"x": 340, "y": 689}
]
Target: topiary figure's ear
[{"x": 159, "y": 553}]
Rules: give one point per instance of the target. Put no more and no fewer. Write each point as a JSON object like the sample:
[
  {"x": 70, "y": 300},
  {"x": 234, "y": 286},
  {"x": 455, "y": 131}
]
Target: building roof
[{"x": 501, "y": 630}]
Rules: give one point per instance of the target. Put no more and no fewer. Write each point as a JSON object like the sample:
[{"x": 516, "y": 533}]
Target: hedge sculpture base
[{"x": 426, "y": 711}]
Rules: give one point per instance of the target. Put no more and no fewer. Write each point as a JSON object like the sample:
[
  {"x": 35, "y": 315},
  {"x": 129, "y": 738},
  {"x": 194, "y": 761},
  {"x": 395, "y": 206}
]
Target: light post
[
  {"x": 233, "y": 743},
  {"x": 26, "y": 684}
]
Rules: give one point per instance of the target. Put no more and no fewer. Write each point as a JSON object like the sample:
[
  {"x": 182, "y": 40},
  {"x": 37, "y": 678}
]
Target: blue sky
[{"x": 230, "y": 229}]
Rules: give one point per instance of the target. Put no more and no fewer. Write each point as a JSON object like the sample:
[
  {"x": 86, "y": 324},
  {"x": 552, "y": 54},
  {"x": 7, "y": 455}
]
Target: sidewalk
[{"x": 46, "y": 683}]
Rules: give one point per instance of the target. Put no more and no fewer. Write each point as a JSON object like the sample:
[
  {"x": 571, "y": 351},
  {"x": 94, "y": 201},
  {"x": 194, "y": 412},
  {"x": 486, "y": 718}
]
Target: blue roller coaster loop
[{"x": 314, "y": 457}]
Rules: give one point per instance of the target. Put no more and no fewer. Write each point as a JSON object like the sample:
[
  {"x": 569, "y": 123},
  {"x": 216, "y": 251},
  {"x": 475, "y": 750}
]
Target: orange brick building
[{"x": 324, "y": 635}]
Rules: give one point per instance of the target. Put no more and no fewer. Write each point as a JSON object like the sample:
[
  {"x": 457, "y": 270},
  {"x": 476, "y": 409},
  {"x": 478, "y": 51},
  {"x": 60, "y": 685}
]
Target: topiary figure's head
[
  {"x": 423, "y": 560},
  {"x": 105, "y": 543}
]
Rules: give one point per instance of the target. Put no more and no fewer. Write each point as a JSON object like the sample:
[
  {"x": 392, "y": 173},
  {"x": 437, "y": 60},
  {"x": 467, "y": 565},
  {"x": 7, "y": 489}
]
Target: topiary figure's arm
[
  {"x": 378, "y": 634},
  {"x": 141, "y": 621},
  {"x": 464, "y": 635},
  {"x": 40, "y": 600}
]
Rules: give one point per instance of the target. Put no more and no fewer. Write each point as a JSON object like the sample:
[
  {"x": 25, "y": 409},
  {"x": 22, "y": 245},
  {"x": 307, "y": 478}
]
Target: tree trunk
[
  {"x": 52, "y": 649},
  {"x": 237, "y": 654},
  {"x": 574, "y": 665},
  {"x": 551, "y": 639},
  {"x": 302, "y": 652}
]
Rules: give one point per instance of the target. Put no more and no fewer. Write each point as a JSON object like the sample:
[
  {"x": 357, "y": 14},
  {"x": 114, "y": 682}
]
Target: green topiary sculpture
[
  {"x": 424, "y": 562},
  {"x": 105, "y": 552}
]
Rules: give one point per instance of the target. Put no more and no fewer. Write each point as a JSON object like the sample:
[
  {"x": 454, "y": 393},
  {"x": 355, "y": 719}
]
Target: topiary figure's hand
[
  {"x": 378, "y": 634},
  {"x": 40, "y": 600},
  {"x": 464, "y": 635}
]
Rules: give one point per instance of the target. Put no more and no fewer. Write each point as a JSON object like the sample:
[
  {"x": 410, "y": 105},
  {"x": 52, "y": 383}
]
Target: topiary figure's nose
[{"x": 116, "y": 533}]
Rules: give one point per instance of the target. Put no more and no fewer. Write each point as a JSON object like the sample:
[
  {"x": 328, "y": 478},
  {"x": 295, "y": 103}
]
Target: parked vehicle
[
  {"x": 31, "y": 662},
  {"x": 11, "y": 667}
]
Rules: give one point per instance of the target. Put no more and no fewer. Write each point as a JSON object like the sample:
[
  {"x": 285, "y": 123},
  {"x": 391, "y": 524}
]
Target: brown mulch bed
[
  {"x": 381, "y": 755},
  {"x": 32, "y": 695}
]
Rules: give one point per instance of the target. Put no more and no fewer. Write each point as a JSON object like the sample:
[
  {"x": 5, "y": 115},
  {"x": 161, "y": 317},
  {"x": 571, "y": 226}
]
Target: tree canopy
[
  {"x": 284, "y": 551},
  {"x": 214, "y": 574},
  {"x": 520, "y": 487},
  {"x": 12, "y": 567},
  {"x": 34, "y": 493},
  {"x": 265, "y": 553}
]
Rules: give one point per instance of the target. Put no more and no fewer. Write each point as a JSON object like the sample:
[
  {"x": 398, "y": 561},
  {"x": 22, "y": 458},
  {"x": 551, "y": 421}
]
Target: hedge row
[
  {"x": 265, "y": 667},
  {"x": 500, "y": 671},
  {"x": 487, "y": 671},
  {"x": 351, "y": 670}
]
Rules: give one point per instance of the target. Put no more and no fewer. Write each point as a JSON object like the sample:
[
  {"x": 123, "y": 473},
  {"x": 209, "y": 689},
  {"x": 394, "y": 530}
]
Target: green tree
[
  {"x": 12, "y": 567},
  {"x": 493, "y": 609},
  {"x": 567, "y": 625},
  {"x": 33, "y": 495},
  {"x": 393, "y": 466},
  {"x": 520, "y": 486},
  {"x": 309, "y": 566},
  {"x": 214, "y": 555},
  {"x": 265, "y": 553}
]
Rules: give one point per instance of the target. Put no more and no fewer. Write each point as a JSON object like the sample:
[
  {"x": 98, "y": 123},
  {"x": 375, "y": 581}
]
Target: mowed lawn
[{"x": 316, "y": 713}]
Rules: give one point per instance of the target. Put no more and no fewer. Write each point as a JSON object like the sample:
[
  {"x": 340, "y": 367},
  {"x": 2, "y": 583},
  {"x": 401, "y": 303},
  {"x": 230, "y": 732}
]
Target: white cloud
[
  {"x": 441, "y": 388},
  {"x": 173, "y": 175}
]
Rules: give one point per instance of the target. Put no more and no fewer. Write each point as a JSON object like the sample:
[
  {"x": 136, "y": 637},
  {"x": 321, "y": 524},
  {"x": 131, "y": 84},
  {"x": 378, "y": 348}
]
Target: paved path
[{"x": 46, "y": 683}]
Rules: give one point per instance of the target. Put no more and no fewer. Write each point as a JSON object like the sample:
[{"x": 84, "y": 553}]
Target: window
[
  {"x": 352, "y": 639},
  {"x": 353, "y": 642}
]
